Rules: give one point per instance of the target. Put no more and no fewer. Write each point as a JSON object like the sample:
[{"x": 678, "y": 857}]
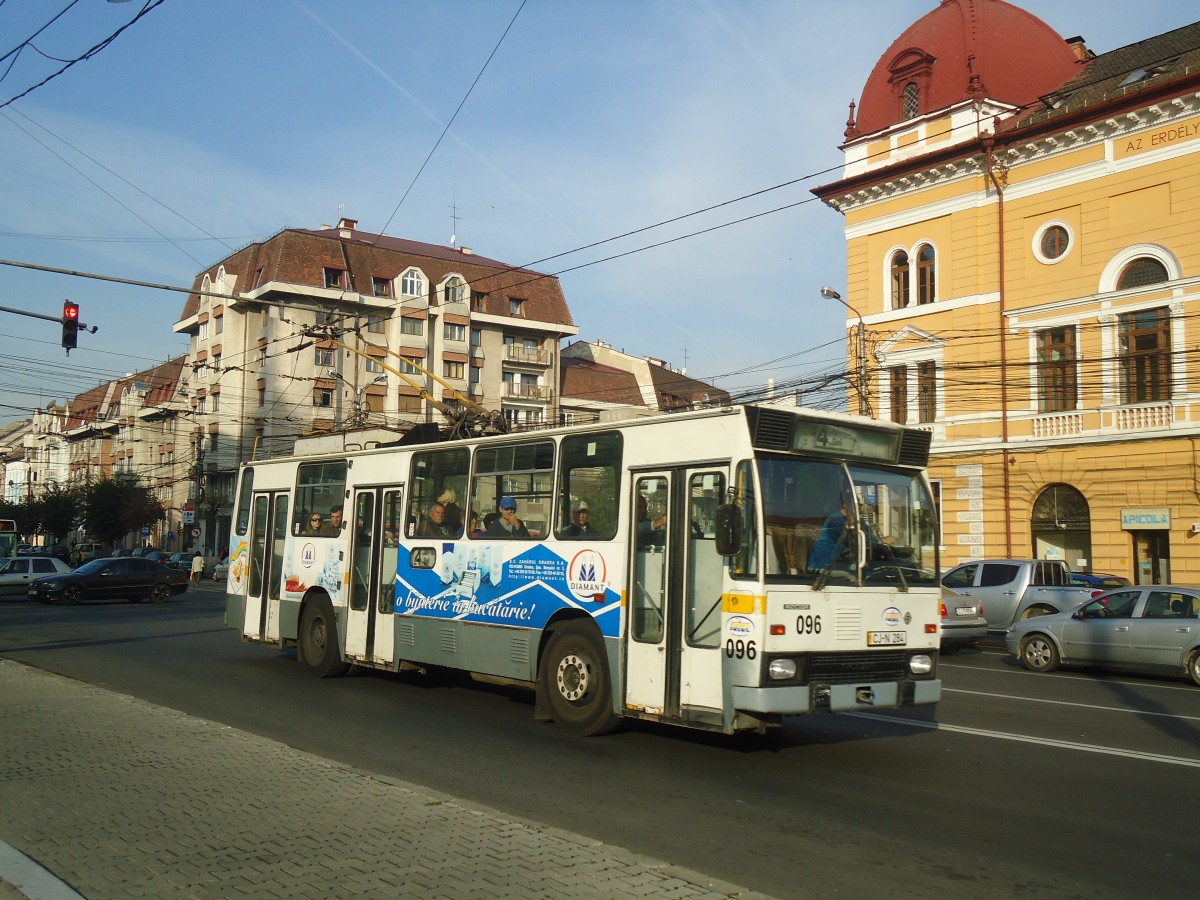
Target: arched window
[
  {"x": 1061, "y": 525},
  {"x": 899, "y": 276},
  {"x": 912, "y": 100},
  {"x": 1143, "y": 271},
  {"x": 412, "y": 284},
  {"x": 926, "y": 275}
]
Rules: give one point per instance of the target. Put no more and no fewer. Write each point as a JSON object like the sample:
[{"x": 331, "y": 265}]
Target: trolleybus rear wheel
[{"x": 575, "y": 680}]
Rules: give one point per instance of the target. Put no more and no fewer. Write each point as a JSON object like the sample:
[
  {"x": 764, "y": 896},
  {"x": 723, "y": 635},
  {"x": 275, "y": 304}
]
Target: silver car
[
  {"x": 963, "y": 622},
  {"x": 17, "y": 572},
  {"x": 1148, "y": 628}
]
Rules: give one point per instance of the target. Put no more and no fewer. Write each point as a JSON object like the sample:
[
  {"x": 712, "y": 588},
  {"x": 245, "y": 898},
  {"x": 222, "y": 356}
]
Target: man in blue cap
[{"x": 508, "y": 525}]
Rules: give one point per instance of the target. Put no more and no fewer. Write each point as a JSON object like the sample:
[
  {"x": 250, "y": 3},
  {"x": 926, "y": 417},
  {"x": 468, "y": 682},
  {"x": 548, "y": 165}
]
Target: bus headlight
[
  {"x": 920, "y": 664},
  {"x": 781, "y": 669}
]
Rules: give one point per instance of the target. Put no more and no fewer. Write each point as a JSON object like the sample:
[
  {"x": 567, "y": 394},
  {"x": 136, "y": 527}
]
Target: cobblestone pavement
[{"x": 104, "y": 795}]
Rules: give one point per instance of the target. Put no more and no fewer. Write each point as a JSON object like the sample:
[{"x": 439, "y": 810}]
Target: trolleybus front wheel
[
  {"x": 575, "y": 680},
  {"x": 319, "y": 641}
]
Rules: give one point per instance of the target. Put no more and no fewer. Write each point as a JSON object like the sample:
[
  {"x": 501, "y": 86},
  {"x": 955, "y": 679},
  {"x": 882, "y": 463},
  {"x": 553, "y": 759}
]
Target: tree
[
  {"x": 116, "y": 507},
  {"x": 58, "y": 511}
]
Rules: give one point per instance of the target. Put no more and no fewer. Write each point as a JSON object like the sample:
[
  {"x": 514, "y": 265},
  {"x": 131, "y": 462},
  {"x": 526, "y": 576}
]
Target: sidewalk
[{"x": 116, "y": 797}]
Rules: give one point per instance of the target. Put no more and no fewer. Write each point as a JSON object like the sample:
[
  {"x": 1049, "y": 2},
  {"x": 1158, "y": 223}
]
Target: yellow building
[{"x": 1022, "y": 222}]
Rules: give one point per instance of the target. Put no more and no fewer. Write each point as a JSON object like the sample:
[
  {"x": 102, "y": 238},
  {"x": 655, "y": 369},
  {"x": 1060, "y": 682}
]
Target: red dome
[{"x": 1017, "y": 58}]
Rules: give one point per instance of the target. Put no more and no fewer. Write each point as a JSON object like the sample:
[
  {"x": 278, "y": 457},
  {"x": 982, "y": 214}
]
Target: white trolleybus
[{"x": 718, "y": 569}]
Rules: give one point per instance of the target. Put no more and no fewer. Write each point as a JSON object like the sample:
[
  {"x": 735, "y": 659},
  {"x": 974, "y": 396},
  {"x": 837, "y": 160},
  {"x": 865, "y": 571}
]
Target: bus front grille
[{"x": 848, "y": 668}]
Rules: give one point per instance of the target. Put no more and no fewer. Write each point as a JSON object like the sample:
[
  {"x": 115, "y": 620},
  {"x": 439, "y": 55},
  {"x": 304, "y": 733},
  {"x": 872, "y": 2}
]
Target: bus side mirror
[{"x": 728, "y": 525}]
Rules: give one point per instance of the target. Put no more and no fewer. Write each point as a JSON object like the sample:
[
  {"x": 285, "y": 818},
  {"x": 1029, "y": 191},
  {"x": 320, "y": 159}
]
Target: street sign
[
  {"x": 145, "y": 531},
  {"x": 195, "y": 532},
  {"x": 189, "y": 515}
]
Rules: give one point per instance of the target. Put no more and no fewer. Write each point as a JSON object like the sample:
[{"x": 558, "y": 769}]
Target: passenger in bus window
[
  {"x": 650, "y": 532},
  {"x": 454, "y": 515},
  {"x": 315, "y": 527},
  {"x": 434, "y": 523},
  {"x": 579, "y": 527},
  {"x": 508, "y": 525},
  {"x": 488, "y": 521},
  {"x": 333, "y": 528}
]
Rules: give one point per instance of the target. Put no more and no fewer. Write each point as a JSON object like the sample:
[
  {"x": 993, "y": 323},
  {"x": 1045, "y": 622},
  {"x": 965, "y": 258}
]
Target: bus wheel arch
[
  {"x": 574, "y": 683},
  {"x": 317, "y": 646}
]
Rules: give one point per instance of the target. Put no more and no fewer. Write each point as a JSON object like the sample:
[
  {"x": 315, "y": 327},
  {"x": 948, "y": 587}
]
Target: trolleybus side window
[
  {"x": 439, "y": 479},
  {"x": 392, "y": 523},
  {"x": 649, "y": 586},
  {"x": 320, "y": 494},
  {"x": 589, "y": 485},
  {"x": 705, "y": 493},
  {"x": 520, "y": 474},
  {"x": 744, "y": 563},
  {"x": 243, "y": 515}
]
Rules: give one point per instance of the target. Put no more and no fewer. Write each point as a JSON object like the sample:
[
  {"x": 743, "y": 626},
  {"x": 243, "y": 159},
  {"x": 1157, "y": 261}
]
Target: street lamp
[{"x": 864, "y": 398}]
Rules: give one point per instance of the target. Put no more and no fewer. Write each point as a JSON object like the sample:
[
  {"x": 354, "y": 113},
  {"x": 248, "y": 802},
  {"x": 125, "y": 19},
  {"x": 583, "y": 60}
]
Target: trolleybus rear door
[
  {"x": 372, "y": 574},
  {"x": 672, "y": 647},
  {"x": 268, "y": 535}
]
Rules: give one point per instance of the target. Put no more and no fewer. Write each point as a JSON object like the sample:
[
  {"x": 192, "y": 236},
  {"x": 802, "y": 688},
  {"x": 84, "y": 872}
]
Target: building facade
[
  {"x": 1023, "y": 242},
  {"x": 315, "y": 332},
  {"x": 603, "y": 384}
]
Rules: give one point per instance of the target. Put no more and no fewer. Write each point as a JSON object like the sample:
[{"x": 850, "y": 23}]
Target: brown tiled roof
[
  {"x": 86, "y": 406},
  {"x": 674, "y": 388},
  {"x": 582, "y": 379},
  {"x": 162, "y": 381},
  {"x": 300, "y": 256},
  {"x": 1103, "y": 79}
]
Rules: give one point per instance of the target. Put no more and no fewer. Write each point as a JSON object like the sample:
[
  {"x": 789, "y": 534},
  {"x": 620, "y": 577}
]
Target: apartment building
[
  {"x": 318, "y": 331},
  {"x": 1023, "y": 243}
]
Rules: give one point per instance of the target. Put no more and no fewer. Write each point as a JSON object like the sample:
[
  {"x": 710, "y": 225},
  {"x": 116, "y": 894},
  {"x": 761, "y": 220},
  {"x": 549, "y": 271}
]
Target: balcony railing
[
  {"x": 1140, "y": 418},
  {"x": 515, "y": 391},
  {"x": 1057, "y": 425},
  {"x": 527, "y": 355}
]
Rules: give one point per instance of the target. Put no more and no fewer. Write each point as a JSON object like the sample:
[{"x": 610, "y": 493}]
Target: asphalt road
[{"x": 1076, "y": 784}]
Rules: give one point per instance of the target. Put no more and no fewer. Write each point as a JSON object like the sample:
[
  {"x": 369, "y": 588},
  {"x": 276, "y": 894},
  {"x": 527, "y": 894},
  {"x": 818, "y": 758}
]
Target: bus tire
[
  {"x": 575, "y": 680},
  {"x": 319, "y": 641}
]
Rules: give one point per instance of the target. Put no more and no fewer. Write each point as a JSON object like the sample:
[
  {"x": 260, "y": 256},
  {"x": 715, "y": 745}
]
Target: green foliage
[
  {"x": 116, "y": 507},
  {"x": 58, "y": 511}
]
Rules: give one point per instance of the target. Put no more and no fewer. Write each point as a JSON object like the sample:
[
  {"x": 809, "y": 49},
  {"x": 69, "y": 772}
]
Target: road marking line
[
  {"x": 1117, "y": 709},
  {"x": 1028, "y": 739},
  {"x": 1067, "y": 675}
]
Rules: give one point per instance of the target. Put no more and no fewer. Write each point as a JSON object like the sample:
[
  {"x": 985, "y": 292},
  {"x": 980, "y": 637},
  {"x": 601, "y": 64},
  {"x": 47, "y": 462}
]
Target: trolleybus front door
[
  {"x": 672, "y": 638},
  {"x": 268, "y": 534},
  {"x": 372, "y": 570}
]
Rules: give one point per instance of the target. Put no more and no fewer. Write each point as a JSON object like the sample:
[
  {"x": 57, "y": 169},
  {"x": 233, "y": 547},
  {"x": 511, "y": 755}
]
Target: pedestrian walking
[{"x": 197, "y": 567}]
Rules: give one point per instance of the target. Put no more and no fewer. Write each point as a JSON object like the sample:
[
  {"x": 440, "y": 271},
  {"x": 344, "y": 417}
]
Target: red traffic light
[{"x": 70, "y": 310}]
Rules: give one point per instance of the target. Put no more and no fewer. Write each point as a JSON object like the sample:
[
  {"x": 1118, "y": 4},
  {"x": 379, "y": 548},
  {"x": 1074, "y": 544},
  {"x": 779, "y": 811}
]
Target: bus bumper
[{"x": 799, "y": 699}]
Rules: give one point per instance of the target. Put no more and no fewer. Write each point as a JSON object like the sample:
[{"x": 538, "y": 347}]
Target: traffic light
[{"x": 70, "y": 324}]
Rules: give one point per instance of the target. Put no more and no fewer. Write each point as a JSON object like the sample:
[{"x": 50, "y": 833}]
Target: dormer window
[
  {"x": 334, "y": 278},
  {"x": 910, "y": 73},
  {"x": 456, "y": 290},
  {"x": 381, "y": 287},
  {"x": 516, "y": 307},
  {"x": 412, "y": 284}
]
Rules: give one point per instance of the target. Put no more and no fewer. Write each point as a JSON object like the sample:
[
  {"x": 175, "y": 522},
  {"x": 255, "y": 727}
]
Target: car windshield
[
  {"x": 91, "y": 568},
  {"x": 7, "y": 564},
  {"x": 841, "y": 524}
]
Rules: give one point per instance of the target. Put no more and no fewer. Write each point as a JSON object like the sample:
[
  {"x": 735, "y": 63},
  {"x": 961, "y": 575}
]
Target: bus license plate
[{"x": 886, "y": 638}]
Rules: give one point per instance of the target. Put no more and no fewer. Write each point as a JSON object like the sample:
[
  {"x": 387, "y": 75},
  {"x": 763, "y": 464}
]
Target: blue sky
[{"x": 208, "y": 124}]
